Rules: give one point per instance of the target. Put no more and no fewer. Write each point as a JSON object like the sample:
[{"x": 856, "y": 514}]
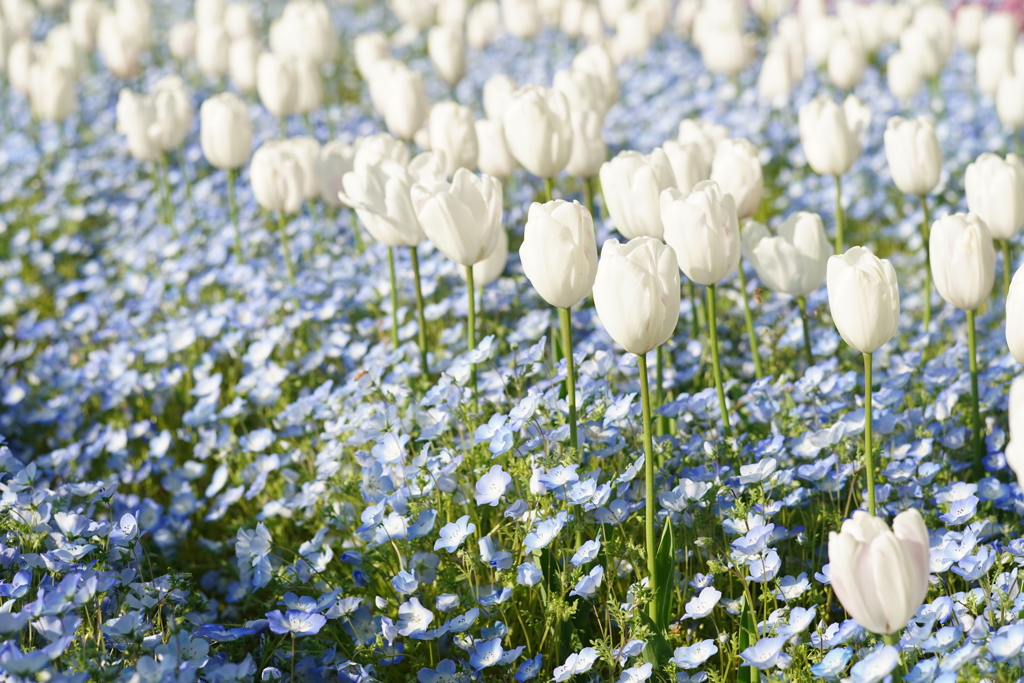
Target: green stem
[
  {"x": 659, "y": 391},
  {"x": 549, "y": 188},
  {"x": 394, "y": 297},
  {"x": 840, "y": 217},
  {"x": 897, "y": 673},
  {"x": 694, "y": 303},
  {"x": 869, "y": 458},
  {"x": 588, "y": 191},
  {"x": 233, "y": 208},
  {"x": 421, "y": 335},
  {"x": 356, "y": 232},
  {"x": 166, "y": 188},
  {"x": 978, "y": 437},
  {"x": 284, "y": 247},
  {"x": 802, "y": 303},
  {"x": 749, "y": 320},
  {"x": 1007, "y": 267},
  {"x": 565, "y": 317},
  {"x": 652, "y": 550},
  {"x": 925, "y": 235},
  {"x": 713, "y": 329},
  {"x": 471, "y": 326}
]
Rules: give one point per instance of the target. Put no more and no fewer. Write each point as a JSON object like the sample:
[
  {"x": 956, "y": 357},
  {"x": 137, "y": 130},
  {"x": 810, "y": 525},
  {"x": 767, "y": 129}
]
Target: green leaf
[
  {"x": 664, "y": 565},
  {"x": 658, "y": 650},
  {"x": 747, "y": 637}
]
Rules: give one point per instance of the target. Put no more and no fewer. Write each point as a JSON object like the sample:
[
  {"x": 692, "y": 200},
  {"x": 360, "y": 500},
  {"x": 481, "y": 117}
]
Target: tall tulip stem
[
  {"x": 233, "y": 208},
  {"x": 565, "y": 317},
  {"x": 840, "y": 216},
  {"x": 977, "y": 438},
  {"x": 421, "y": 334},
  {"x": 394, "y": 297},
  {"x": 652, "y": 549},
  {"x": 588, "y": 192},
  {"x": 471, "y": 331},
  {"x": 869, "y": 457},
  {"x": 694, "y": 306},
  {"x": 713, "y": 329},
  {"x": 925, "y": 230},
  {"x": 897, "y": 673},
  {"x": 802, "y": 303},
  {"x": 1007, "y": 267},
  {"x": 549, "y": 189},
  {"x": 749, "y": 320},
  {"x": 357, "y": 235},
  {"x": 286, "y": 252}
]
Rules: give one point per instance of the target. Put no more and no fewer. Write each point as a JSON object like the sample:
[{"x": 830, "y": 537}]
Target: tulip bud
[
  {"x": 994, "y": 62},
  {"x": 276, "y": 83},
  {"x": 172, "y": 104},
  {"x": 1015, "y": 448},
  {"x": 880, "y": 575},
  {"x": 589, "y": 151},
  {"x": 23, "y": 54},
  {"x": 644, "y": 269},
  {"x": 369, "y": 49},
  {"x": 52, "y": 91},
  {"x": 864, "y": 23},
  {"x": 309, "y": 88},
  {"x": 571, "y": 21},
  {"x": 864, "y": 298},
  {"x": 84, "y": 17},
  {"x": 902, "y": 76},
  {"x": 703, "y": 229},
  {"x": 846, "y": 63},
  {"x": 969, "y": 18},
  {"x": 538, "y": 130},
  {"x": 913, "y": 153},
  {"x": 995, "y": 193},
  {"x": 559, "y": 252},
  {"x": 494, "y": 158},
  {"x": 306, "y": 151},
  {"x": 490, "y": 269},
  {"x": 212, "y": 46},
  {"x": 937, "y": 23},
  {"x": 794, "y": 261},
  {"x": 632, "y": 184},
  {"x": 821, "y": 34},
  {"x": 483, "y": 21},
  {"x": 521, "y": 18},
  {"x": 242, "y": 60},
  {"x": 225, "y": 131},
  {"x": 612, "y": 10},
  {"x": 380, "y": 193},
  {"x": 447, "y": 53},
  {"x": 209, "y": 12},
  {"x": 238, "y": 21},
  {"x": 1015, "y": 330},
  {"x": 276, "y": 177},
  {"x": 706, "y": 136},
  {"x": 120, "y": 50},
  {"x": 925, "y": 54},
  {"x": 428, "y": 168},
  {"x": 498, "y": 92},
  {"x": 304, "y": 32},
  {"x": 376, "y": 148},
  {"x": 1010, "y": 101},
  {"x": 963, "y": 260},
  {"x": 402, "y": 98},
  {"x": 332, "y": 163},
  {"x": 136, "y": 115},
  {"x": 726, "y": 51},
  {"x": 774, "y": 82},
  {"x": 463, "y": 218},
  {"x": 182, "y": 40},
  {"x": 582, "y": 90},
  {"x": 452, "y": 13},
  {"x": 632, "y": 37},
  {"x": 453, "y": 131},
  {"x": 61, "y": 49},
  {"x": 737, "y": 170},
  {"x": 687, "y": 161},
  {"x": 597, "y": 60},
  {"x": 1000, "y": 28},
  {"x": 831, "y": 135}
]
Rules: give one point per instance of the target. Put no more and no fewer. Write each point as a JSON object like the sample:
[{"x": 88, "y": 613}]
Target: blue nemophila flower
[
  {"x": 528, "y": 574},
  {"x": 576, "y": 663},
  {"x": 517, "y": 509},
  {"x": 587, "y": 552},
  {"x": 833, "y": 664},
  {"x": 529, "y": 669},
  {"x": 765, "y": 653},
  {"x": 876, "y": 666},
  {"x": 693, "y": 656},
  {"x": 799, "y": 621},
  {"x": 296, "y": 622},
  {"x": 960, "y": 510},
  {"x": 1007, "y": 642},
  {"x": 636, "y": 674},
  {"x": 923, "y": 672},
  {"x": 454, "y": 533},
  {"x": 444, "y": 673},
  {"x": 764, "y": 568},
  {"x": 700, "y": 606},
  {"x": 588, "y": 585},
  {"x": 404, "y": 582},
  {"x": 492, "y": 486},
  {"x": 486, "y": 654},
  {"x": 545, "y": 532},
  {"x": 631, "y": 649},
  {"x": 413, "y": 618},
  {"x": 463, "y": 621},
  {"x": 446, "y": 602}
]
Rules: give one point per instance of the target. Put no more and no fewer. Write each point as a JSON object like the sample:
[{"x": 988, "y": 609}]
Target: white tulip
[
  {"x": 795, "y": 260},
  {"x": 498, "y": 92},
  {"x": 846, "y": 63},
  {"x": 276, "y": 84},
  {"x": 447, "y": 51},
  {"x": 336, "y": 158},
  {"x": 831, "y": 135},
  {"x": 632, "y": 184},
  {"x": 381, "y": 194},
  {"x": 864, "y": 298},
  {"x": 276, "y": 177},
  {"x": 914, "y": 156},
  {"x": 1015, "y": 327},
  {"x": 963, "y": 260},
  {"x": 462, "y": 219},
  {"x": 494, "y": 158},
  {"x": 687, "y": 161},
  {"x": 703, "y": 229},
  {"x": 453, "y": 131},
  {"x": 559, "y": 252},
  {"x": 242, "y": 60},
  {"x": 737, "y": 170},
  {"x": 225, "y": 131},
  {"x": 589, "y": 150},
  {"x": 538, "y": 130},
  {"x": 995, "y": 193}
]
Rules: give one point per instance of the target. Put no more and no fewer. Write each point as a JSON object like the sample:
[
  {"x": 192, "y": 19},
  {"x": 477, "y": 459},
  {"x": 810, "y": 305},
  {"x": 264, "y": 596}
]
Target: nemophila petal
[
  {"x": 631, "y": 649},
  {"x": 765, "y": 653},
  {"x": 404, "y": 582},
  {"x": 487, "y": 654},
  {"x": 529, "y": 669},
  {"x": 463, "y": 621},
  {"x": 960, "y": 510},
  {"x": 296, "y": 622},
  {"x": 692, "y": 656},
  {"x": 636, "y": 674},
  {"x": 588, "y": 585},
  {"x": 528, "y": 574},
  {"x": 454, "y": 533},
  {"x": 492, "y": 486},
  {"x": 833, "y": 664},
  {"x": 876, "y": 666},
  {"x": 444, "y": 673},
  {"x": 1007, "y": 642},
  {"x": 587, "y": 552},
  {"x": 700, "y": 606},
  {"x": 923, "y": 672}
]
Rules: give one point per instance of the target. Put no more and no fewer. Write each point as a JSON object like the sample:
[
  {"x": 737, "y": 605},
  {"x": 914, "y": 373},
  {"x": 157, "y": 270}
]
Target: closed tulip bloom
[
  {"x": 636, "y": 293},
  {"x": 822, "y": 32},
  {"x": 309, "y": 88},
  {"x": 795, "y": 260},
  {"x": 447, "y": 52},
  {"x": 902, "y": 76},
  {"x": 1010, "y": 101},
  {"x": 406, "y": 107},
  {"x": 173, "y": 110},
  {"x": 559, "y": 252},
  {"x": 937, "y": 23},
  {"x": 737, "y": 170},
  {"x": 632, "y": 36},
  {"x": 62, "y": 50},
  {"x": 632, "y": 184},
  {"x": 212, "y": 48},
  {"x": 452, "y": 13},
  {"x": 493, "y": 158},
  {"x": 23, "y": 54},
  {"x": 242, "y": 59},
  {"x": 571, "y": 20},
  {"x": 994, "y": 62},
  {"x": 276, "y": 177},
  {"x": 995, "y": 193},
  {"x": 306, "y": 150},
  {"x": 304, "y": 31},
  {"x": 1015, "y": 324},
  {"x": 521, "y": 18},
  {"x": 136, "y": 115},
  {"x": 597, "y": 60},
  {"x": 120, "y": 50},
  {"x": 428, "y": 168},
  {"x": 52, "y": 91},
  {"x": 238, "y": 21},
  {"x": 589, "y": 150},
  {"x": 963, "y": 260},
  {"x": 453, "y": 131},
  {"x": 864, "y": 298},
  {"x": 704, "y": 231},
  {"x": 378, "y": 147},
  {"x": 582, "y": 89},
  {"x": 463, "y": 218},
  {"x": 846, "y": 63},
  {"x": 209, "y": 11},
  {"x": 418, "y": 13},
  {"x": 181, "y": 40},
  {"x": 969, "y": 18},
  {"x": 1015, "y": 448},
  {"x": 335, "y": 159},
  {"x": 538, "y": 129},
  {"x": 914, "y": 156},
  {"x": 490, "y": 269},
  {"x": 225, "y": 131},
  {"x": 706, "y": 136},
  {"x": 483, "y": 22},
  {"x": 687, "y": 161},
  {"x": 84, "y": 17},
  {"x": 370, "y": 48},
  {"x": 774, "y": 82},
  {"x": 276, "y": 83},
  {"x": 726, "y": 51},
  {"x": 927, "y": 57},
  {"x": 498, "y": 92},
  {"x": 880, "y": 575},
  {"x": 380, "y": 193},
  {"x": 999, "y": 28},
  {"x": 831, "y": 140}
]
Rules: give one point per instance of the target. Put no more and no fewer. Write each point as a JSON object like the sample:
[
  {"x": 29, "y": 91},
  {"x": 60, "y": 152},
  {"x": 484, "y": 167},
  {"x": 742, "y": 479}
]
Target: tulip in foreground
[
  {"x": 632, "y": 184},
  {"x": 1015, "y": 316},
  {"x": 636, "y": 295},
  {"x": 1015, "y": 447},
  {"x": 538, "y": 129},
  {"x": 864, "y": 299},
  {"x": 880, "y": 575}
]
